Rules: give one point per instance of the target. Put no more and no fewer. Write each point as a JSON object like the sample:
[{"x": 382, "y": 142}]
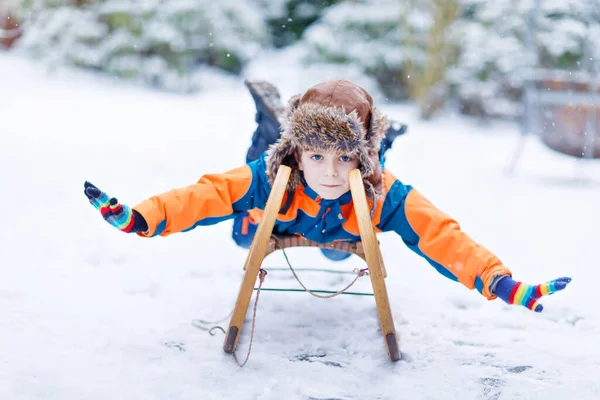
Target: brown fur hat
[{"x": 334, "y": 115}]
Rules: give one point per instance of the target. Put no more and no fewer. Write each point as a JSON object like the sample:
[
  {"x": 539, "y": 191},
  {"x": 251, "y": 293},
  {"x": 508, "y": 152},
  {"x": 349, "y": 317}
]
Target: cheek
[
  {"x": 314, "y": 169},
  {"x": 311, "y": 173},
  {"x": 349, "y": 167}
]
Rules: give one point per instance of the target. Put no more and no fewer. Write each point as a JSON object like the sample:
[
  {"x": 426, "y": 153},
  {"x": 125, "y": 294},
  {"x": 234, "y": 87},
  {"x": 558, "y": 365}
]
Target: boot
[{"x": 269, "y": 111}]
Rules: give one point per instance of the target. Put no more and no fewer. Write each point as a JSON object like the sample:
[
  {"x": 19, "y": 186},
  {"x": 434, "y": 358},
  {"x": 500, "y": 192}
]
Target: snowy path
[{"x": 89, "y": 313}]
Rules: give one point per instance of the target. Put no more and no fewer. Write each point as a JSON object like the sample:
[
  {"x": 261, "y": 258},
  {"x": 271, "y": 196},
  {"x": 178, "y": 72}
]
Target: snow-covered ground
[{"x": 90, "y": 313}]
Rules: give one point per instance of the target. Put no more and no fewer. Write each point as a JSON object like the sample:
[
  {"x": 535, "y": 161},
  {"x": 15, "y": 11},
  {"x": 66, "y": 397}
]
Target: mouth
[{"x": 330, "y": 186}]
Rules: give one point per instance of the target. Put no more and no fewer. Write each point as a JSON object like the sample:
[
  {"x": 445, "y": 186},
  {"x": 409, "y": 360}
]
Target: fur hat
[{"x": 334, "y": 115}]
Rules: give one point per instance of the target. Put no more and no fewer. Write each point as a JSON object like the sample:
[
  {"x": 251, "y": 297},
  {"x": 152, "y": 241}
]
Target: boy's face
[{"x": 327, "y": 172}]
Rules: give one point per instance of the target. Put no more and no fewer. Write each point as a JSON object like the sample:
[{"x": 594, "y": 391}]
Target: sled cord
[
  {"x": 359, "y": 273},
  {"x": 261, "y": 275}
]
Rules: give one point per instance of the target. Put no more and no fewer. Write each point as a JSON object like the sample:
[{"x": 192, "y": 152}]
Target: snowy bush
[
  {"x": 482, "y": 50},
  {"x": 427, "y": 50},
  {"x": 378, "y": 35},
  {"x": 494, "y": 57},
  {"x": 401, "y": 43},
  {"x": 288, "y": 19},
  {"x": 156, "y": 41}
]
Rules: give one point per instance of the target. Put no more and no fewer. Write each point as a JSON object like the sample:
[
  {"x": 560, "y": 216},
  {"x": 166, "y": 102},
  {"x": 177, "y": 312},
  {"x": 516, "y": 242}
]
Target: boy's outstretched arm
[
  {"x": 439, "y": 239},
  {"x": 214, "y": 198}
]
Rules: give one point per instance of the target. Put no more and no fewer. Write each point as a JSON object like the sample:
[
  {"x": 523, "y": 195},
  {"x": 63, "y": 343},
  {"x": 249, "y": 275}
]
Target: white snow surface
[{"x": 90, "y": 313}]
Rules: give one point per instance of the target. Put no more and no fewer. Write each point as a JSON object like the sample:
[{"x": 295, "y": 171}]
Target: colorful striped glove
[
  {"x": 118, "y": 215},
  {"x": 514, "y": 292}
]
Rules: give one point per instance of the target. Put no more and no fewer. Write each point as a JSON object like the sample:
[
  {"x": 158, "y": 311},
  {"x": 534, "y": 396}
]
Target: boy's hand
[
  {"x": 514, "y": 292},
  {"x": 118, "y": 215}
]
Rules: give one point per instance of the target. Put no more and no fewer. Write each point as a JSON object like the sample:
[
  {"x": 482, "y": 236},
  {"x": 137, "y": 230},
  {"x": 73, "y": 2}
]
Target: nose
[{"x": 331, "y": 169}]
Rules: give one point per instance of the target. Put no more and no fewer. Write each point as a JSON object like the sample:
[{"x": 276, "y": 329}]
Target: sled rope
[
  {"x": 331, "y": 271},
  {"x": 261, "y": 275},
  {"x": 359, "y": 273},
  {"x": 200, "y": 323},
  {"x": 314, "y": 291}
]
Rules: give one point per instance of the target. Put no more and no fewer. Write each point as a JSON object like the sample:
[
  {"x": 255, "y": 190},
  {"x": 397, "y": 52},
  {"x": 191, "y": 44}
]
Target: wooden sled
[{"x": 367, "y": 248}]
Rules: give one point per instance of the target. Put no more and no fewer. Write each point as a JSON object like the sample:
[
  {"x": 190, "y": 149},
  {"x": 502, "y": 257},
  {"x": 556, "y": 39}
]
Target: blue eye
[
  {"x": 317, "y": 157},
  {"x": 345, "y": 158}
]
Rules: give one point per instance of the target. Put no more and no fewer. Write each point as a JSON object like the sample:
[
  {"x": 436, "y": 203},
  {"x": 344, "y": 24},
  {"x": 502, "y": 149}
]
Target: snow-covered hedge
[
  {"x": 484, "y": 44},
  {"x": 378, "y": 35},
  {"x": 288, "y": 19},
  {"x": 157, "y": 41},
  {"x": 486, "y": 50},
  {"x": 494, "y": 57}
]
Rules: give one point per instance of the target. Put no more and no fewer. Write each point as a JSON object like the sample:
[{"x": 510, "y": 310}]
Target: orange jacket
[{"x": 423, "y": 228}]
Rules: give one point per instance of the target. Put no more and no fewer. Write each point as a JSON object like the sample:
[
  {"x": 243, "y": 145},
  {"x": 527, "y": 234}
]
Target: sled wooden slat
[
  {"x": 255, "y": 258},
  {"x": 375, "y": 263},
  {"x": 264, "y": 244},
  {"x": 285, "y": 242}
]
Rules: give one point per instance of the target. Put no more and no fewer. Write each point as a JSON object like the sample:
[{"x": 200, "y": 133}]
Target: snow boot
[{"x": 269, "y": 110}]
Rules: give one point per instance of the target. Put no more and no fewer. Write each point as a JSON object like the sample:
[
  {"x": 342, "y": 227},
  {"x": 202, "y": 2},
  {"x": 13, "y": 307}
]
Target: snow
[{"x": 88, "y": 312}]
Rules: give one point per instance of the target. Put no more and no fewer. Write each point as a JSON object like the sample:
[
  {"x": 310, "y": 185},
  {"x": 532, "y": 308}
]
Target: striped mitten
[
  {"x": 514, "y": 292},
  {"x": 118, "y": 215}
]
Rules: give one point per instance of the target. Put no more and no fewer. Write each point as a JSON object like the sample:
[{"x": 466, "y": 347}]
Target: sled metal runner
[{"x": 264, "y": 244}]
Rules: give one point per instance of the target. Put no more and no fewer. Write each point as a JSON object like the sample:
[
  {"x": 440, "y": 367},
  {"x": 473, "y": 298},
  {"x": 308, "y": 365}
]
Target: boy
[{"x": 328, "y": 131}]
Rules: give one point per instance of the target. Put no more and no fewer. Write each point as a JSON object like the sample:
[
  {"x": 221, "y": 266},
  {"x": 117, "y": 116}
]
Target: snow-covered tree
[
  {"x": 381, "y": 36},
  {"x": 161, "y": 42},
  {"x": 473, "y": 50},
  {"x": 501, "y": 41},
  {"x": 288, "y": 19},
  {"x": 402, "y": 44}
]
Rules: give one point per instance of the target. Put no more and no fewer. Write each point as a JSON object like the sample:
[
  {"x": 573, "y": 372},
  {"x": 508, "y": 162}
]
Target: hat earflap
[{"x": 283, "y": 152}]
